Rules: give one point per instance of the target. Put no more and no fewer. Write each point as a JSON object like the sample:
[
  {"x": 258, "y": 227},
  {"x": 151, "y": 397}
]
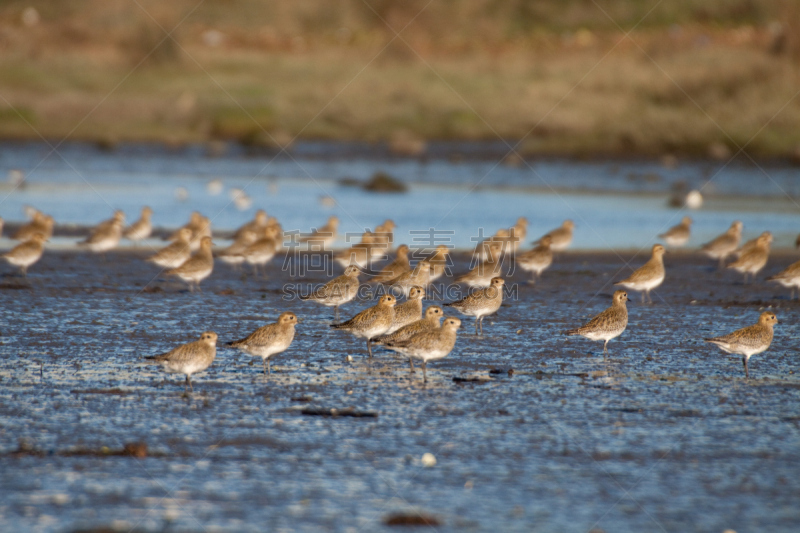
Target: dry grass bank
[{"x": 693, "y": 78}]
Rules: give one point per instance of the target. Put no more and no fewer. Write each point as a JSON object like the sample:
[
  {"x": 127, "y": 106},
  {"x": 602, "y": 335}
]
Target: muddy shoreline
[{"x": 664, "y": 432}]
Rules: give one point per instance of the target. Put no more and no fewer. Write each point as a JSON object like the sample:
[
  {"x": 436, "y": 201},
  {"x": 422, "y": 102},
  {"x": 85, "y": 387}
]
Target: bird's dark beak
[{"x": 629, "y": 299}]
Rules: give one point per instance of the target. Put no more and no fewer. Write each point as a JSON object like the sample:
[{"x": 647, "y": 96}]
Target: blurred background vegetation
[{"x": 693, "y": 77}]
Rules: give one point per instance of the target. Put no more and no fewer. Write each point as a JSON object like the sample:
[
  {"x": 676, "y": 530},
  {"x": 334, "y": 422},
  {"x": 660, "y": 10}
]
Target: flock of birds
[{"x": 406, "y": 328}]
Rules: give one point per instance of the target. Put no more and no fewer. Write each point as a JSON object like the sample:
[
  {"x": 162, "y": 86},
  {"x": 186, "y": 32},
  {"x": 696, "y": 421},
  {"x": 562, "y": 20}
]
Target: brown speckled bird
[
  {"x": 372, "y": 322},
  {"x": 677, "y": 236},
  {"x": 269, "y": 340},
  {"x": 176, "y": 253},
  {"x": 724, "y": 245},
  {"x": 190, "y": 358},
  {"x": 429, "y": 345},
  {"x": 754, "y": 258},
  {"x": 419, "y": 276},
  {"x": 196, "y": 268},
  {"x": 788, "y": 277},
  {"x": 26, "y": 253},
  {"x": 399, "y": 266},
  {"x": 648, "y": 276},
  {"x": 607, "y": 325},
  {"x": 481, "y": 303},
  {"x": 408, "y": 311},
  {"x": 432, "y": 319},
  {"x": 748, "y": 341},
  {"x": 561, "y": 237},
  {"x": 142, "y": 228},
  {"x": 538, "y": 259},
  {"x": 337, "y": 291}
]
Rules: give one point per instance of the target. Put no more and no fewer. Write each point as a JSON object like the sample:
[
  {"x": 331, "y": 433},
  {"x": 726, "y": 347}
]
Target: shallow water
[
  {"x": 616, "y": 205},
  {"x": 663, "y": 434}
]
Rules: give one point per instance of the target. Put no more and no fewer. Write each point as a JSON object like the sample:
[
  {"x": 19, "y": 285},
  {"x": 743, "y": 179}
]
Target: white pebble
[{"x": 428, "y": 460}]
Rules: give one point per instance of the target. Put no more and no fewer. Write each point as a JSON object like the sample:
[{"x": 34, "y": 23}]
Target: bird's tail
[{"x": 575, "y": 331}]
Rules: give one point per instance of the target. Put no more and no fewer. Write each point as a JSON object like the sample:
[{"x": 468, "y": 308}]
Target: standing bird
[
  {"x": 359, "y": 254},
  {"x": 372, "y": 322},
  {"x": 324, "y": 236},
  {"x": 429, "y": 345},
  {"x": 142, "y": 228},
  {"x": 337, "y": 291},
  {"x": 677, "y": 236},
  {"x": 190, "y": 358},
  {"x": 748, "y": 341},
  {"x": 483, "y": 274},
  {"x": 233, "y": 253},
  {"x": 648, "y": 276},
  {"x": 106, "y": 235},
  {"x": 196, "y": 268},
  {"x": 419, "y": 276},
  {"x": 538, "y": 259},
  {"x": 408, "y": 311},
  {"x": 27, "y": 253},
  {"x": 269, "y": 340},
  {"x": 200, "y": 227},
  {"x": 40, "y": 223},
  {"x": 561, "y": 238},
  {"x": 754, "y": 259},
  {"x": 432, "y": 319},
  {"x": 789, "y": 277},
  {"x": 399, "y": 266},
  {"x": 438, "y": 262},
  {"x": 263, "y": 249},
  {"x": 257, "y": 224},
  {"x": 481, "y": 303},
  {"x": 176, "y": 253},
  {"x": 607, "y": 325},
  {"x": 749, "y": 245},
  {"x": 724, "y": 245}
]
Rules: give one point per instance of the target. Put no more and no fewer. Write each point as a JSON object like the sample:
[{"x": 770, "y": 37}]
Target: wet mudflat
[{"x": 663, "y": 434}]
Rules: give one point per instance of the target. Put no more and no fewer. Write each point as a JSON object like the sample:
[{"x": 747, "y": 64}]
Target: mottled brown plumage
[
  {"x": 748, "y": 341},
  {"x": 754, "y": 258},
  {"x": 788, "y": 277},
  {"x": 372, "y": 322},
  {"x": 538, "y": 259},
  {"x": 677, "y": 236},
  {"x": 398, "y": 266},
  {"x": 648, "y": 276},
  {"x": 190, "y": 358},
  {"x": 607, "y": 325},
  {"x": 724, "y": 245},
  {"x": 432, "y": 319},
  {"x": 142, "y": 228},
  {"x": 269, "y": 340},
  {"x": 176, "y": 253},
  {"x": 408, "y": 311},
  {"x": 561, "y": 238},
  {"x": 26, "y": 253},
  {"x": 429, "y": 345},
  {"x": 337, "y": 291},
  {"x": 481, "y": 303},
  {"x": 196, "y": 268}
]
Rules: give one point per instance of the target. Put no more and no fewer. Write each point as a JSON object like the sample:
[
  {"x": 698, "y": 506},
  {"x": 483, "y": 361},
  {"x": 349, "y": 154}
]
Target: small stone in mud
[
  {"x": 135, "y": 449},
  {"x": 428, "y": 460}
]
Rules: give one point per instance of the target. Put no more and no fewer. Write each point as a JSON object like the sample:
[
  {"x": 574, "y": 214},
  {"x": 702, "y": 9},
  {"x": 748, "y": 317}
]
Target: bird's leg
[
  {"x": 643, "y": 293},
  {"x": 369, "y": 347},
  {"x": 264, "y": 362},
  {"x": 336, "y": 312},
  {"x": 411, "y": 364},
  {"x": 476, "y": 325},
  {"x": 746, "y": 372},
  {"x": 424, "y": 371},
  {"x": 481, "y": 324},
  {"x": 189, "y": 383},
  {"x": 605, "y": 348},
  {"x": 24, "y": 272}
]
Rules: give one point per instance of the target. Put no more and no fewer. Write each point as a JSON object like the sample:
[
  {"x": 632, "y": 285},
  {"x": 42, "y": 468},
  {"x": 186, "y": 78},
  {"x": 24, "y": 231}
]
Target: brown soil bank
[{"x": 570, "y": 78}]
